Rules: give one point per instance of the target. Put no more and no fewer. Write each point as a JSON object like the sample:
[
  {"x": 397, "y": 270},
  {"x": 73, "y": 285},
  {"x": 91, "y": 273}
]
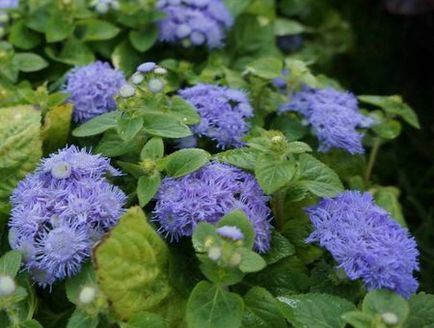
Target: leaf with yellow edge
[{"x": 132, "y": 266}]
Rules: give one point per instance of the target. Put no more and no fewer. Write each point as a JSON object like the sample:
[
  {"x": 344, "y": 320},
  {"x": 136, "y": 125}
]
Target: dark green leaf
[
  {"x": 244, "y": 158},
  {"x": 164, "y": 126},
  {"x": 153, "y": 149},
  {"x": 97, "y": 125},
  {"x": 279, "y": 249},
  {"x": 185, "y": 161},
  {"x": 273, "y": 174},
  {"x": 22, "y": 37},
  {"x": 97, "y": 30},
  {"x": 129, "y": 127},
  {"x": 421, "y": 311},
  {"x": 80, "y": 319},
  {"x": 147, "y": 187},
  {"x": 144, "y": 39}
]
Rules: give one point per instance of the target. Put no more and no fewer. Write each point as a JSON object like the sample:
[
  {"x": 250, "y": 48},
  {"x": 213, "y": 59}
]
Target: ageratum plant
[{"x": 187, "y": 163}]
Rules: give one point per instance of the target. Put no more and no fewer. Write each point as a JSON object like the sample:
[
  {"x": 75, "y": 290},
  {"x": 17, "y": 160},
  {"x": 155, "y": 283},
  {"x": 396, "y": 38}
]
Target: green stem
[
  {"x": 372, "y": 158},
  {"x": 278, "y": 208}
]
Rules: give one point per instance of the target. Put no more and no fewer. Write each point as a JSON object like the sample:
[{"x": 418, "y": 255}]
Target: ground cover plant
[{"x": 189, "y": 163}]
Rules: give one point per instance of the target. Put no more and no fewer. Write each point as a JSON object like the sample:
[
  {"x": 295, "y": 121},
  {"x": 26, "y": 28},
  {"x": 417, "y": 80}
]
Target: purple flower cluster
[
  {"x": 223, "y": 113},
  {"x": 9, "y": 4},
  {"x": 334, "y": 116},
  {"x": 194, "y": 22},
  {"x": 61, "y": 210},
  {"x": 208, "y": 194},
  {"x": 92, "y": 89},
  {"x": 366, "y": 242}
]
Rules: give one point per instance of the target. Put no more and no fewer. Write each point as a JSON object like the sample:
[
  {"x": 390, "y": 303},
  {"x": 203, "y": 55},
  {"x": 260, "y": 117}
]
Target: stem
[
  {"x": 278, "y": 209},
  {"x": 372, "y": 158}
]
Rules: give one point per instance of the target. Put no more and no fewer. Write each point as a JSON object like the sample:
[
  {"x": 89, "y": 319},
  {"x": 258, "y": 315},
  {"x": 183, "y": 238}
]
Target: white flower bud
[
  {"x": 102, "y": 8},
  {"x": 137, "y": 78},
  {"x": 160, "y": 70},
  {"x": 4, "y": 17},
  {"x": 61, "y": 170},
  {"x": 87, "y": 295},
  {"x": 214, "y": 253},
  {"x": 7, "y": 286},
  {"x": 127, "y": 91},
  {"x": 390, "y": 318},
  {"x": 155, "y": 85}
]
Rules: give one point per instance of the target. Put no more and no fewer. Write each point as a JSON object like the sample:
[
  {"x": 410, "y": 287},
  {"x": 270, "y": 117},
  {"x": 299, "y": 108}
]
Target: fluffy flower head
[
  {"x": 230, "y": 232},
  {"x": 223, "y": 113},
  {"x": 194, "y": 22},
  {"x": 366, "y": 242},
  {"x": 208, "y": 194},
  {"x": 334, "y": 117},
  {"x": 92, "y": 90},
  {"x": 61, "y": 210},
  {"x": 9, "y": 4}
]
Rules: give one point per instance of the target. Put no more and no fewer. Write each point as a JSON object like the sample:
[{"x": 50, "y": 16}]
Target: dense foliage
[{"x": 187, "y": 163}]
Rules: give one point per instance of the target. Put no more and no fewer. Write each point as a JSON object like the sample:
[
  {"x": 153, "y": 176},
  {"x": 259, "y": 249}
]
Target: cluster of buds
[
  {"x": 147, "y": 78},
  {"x": 104, "y": 6}
]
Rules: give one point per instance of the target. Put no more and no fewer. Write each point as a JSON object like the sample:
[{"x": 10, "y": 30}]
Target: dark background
[{"x": 394, "y": 54}]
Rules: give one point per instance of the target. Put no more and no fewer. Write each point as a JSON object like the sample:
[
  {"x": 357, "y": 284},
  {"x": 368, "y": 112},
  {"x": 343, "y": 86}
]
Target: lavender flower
[
  {"x": 61, "y": 210},
  {"x": 92, "y": 90},
  {"x": 334, "y": 116},
  {"x": 9, "y": 4},
  {"x": 289, "y": 43},
  {"x": 223, "y": 113},
  {"x": 194, "y": 22},
  {"x": 230, "y": 232},
  {"x": 366, "y": 242},
  {"x": 208, "y": 194}
]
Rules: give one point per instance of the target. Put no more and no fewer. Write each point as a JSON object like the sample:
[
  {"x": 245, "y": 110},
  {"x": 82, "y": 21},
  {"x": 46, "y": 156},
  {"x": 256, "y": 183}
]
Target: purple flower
[
  {"x": 334, "y": 116},
  {"x": 9, "y": 4},
  {"x": 289, "y": 43},
  {"x": 230, "y": 232},
  {"x": 208, "y": 194},
  {"x": 223, "y": 113},
  {"x": 366, "y": 242},
  {"x": 194, "y": 22},
  {"x": 146, "y": 67},
  {"x": 280, "y": 82},
  {"x": 92, "y": 90},
  {"x": 61, "y": 210}
]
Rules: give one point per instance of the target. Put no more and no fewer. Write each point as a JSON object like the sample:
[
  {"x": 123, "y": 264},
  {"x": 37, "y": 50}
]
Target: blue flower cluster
[
  {"x": 223, "y": 113},
  {"x": 334, "y": 116},
  {"x": 366, "y": 242},
  {"x": 61, "y": 210},
  {"x": 92, "y": 90},
  {"x": 194, "y": 22},
  {"x": 9, "y": 4},
  {"x": 208, "y": 194}
]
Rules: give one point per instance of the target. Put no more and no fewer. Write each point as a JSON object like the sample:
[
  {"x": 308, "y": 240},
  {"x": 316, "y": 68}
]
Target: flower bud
[
  {"x": 214, "y": 253},
  {"x": 160, "y": 71},
  {"x": 7, "y": 286},
  {"x": 127, "y": 91},
  {"x": 183, "y": 31},
  {"x": 146, "y": 67},
  {"x": 87, "y": 295},
  {"x": 390, "y": 318},
  {"x": 137, "y": 78},
  {"x": 235, "y": 259},
  {"x": 277, "y": 139},
  {"x": 61, "y": 170},
  {"x": 155, "y": 85},
  {"x": 4, "y": 17},
  {"x": 148, "y": 165}
]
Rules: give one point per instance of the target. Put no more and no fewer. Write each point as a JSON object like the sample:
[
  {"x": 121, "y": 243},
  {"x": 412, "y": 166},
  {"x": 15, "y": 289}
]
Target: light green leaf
[
  {"x": 29, "y": 324},
  {"x": 298, "y": 147},
  {"x": 80, "y": 319},
  {"x": 358, "y": 319},
  {"x": 20, "y": 145},
  {"x": 112, "y": 145},
  {"x": 267, "y": 68},
  {"x": 10, "y": 263},
  {"x": 186, "y": 112},
  {"x": 251, "y": 261},
  {"x": 132, "y": 266},
  {"x": 97, "y": 30},
  {"x": 97, "y": 125},
  {"x": 261, "y": 310},
  {"x": 244, "y": 158},
  {"x": 147, "y": 187},
  {"x": 388, "y": 129},
  {"x": 153, "y": 149},
  {"x": 164, "y": 126},
  {"x": 144, "y": 39},
  {"x": 74, "y": 52},
  {"x": 185, "y": 161},
  {"x": 284, "y": 26},
  {"x": 129, "y": 127},
  {"x": 75, "y": 284},
  {"x": 236, "y": 7},
  {"x": 273, "y": 174},
  {"x": 209, "y": 306},
  {"x": 314, "y": 310},
  {"x": 29, "y": 62},
  {"x": 56, "y": 127},
  {"x": 145, "y": 319},
  {"x": 421, "y": 311},
  {"x": 387, "y": 198},
  {"x": 201, "y": 233}
]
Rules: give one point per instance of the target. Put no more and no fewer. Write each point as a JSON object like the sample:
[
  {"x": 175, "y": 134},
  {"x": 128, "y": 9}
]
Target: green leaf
[
  {"x": 236, "y": 7},
  {"x": 387, "y": 198},
  {"x": 280, "y": 248},
  {"x": 29, "y": 62},
  {"x": 382, "y": 301},
  {"x": 112, "y": 145},
  {"x": 164, "y": 126},
  {"x": 284, "y": 26},
  {"x": 56, "y": 127},
  {"x": 186, "y": 112},
  {"x": 315, "y": 310},
  {"x": 22, "y": 37},
  {"x": 59, "y": 26},
  {"x": 29, "y": 324},
  {"x": 273, "y": 174},
  {"x": 147, "y": 187},
  {"x": 10, "y": 263},
  {"x": 129, "y": 127},
  {"x": 202, "y": 232},
  {"x": 185, "y": 161},
  {"x": 261, "y": 310},
  {"x": 209, "y": 306},
  {"x": 267, "y": 68},
  {"x": 97, "y": 125},
  {"x": 358, "y": 319},
  {"x": 97, "y": 30},
  {"x": 244, "y": 158},
  {"x": 20, "y": 145},
  {"x": 145, "y": 319},
  {"x": 298, "y": 147},
  {"x": 317, "y": 177},
  {"x": 80, "y": 319},
  {"x": 144, "y": 39},
  {"x": 421, "y": 311},
  {"x": 251, "y": 261},
  {"x": 388, "y": 129},
  {"x": 132, "y": 266},
  {"x": 126, "y": 58},
  {"x": 74, "y": 52},
  {"x": 75, "y": 284},
  {"x": 153, "y": 149},
  {"x": 238, "y": 218}
]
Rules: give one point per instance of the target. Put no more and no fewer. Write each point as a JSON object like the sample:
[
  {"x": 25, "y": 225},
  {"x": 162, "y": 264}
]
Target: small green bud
[
  {"x": 214, "y": 253},
  {"x": 235, "y": 259},
  {"x": 148, "y": 165},
  {"x": 7, "y": 286}
]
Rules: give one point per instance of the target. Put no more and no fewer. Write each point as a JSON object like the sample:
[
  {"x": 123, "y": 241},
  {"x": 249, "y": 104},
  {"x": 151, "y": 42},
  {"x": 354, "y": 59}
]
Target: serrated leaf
[
  {"x": 421, "y": 311},
  {"x": 132, "y": 266},
  {"x": 280, "y": 248},
  {"x": 209, "y": 306},
  {"x": 20, "y": 145},
  {"x": 164, "y": 126},
  {"x": 10, "y": 263},
  {"x": 97, "y": 125},
  {"x": 147, "y": 187},
  {"x": 56, "y": 127},
  {"x": 185, "y": 161},
  {"x": 261, "y": 310},
  {"x": 273, "y": 174},
  {"x": 244, "y": 158},
  {"x": 314, "y": 310},
  {"x": 382, "y": 301}
]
